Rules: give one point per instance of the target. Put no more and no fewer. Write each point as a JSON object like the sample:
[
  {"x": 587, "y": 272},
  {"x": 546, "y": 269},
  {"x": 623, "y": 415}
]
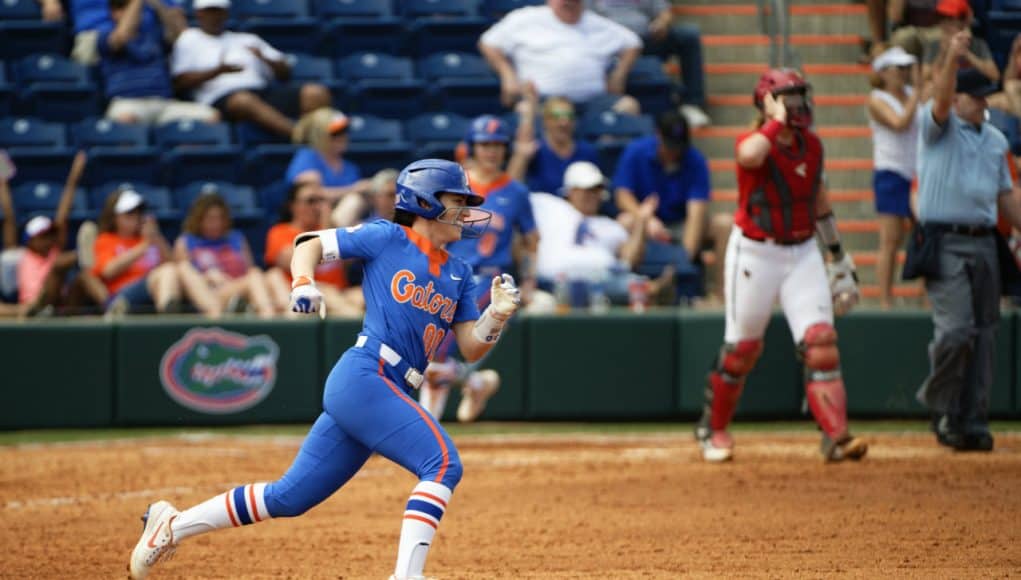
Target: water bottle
[{"x": 562, "y": 294}]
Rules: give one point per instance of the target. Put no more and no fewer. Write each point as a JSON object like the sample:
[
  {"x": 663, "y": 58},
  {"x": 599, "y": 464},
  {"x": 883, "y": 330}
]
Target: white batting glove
[
  {"x": 306, "y": 299},
  {"x": 843, "y": 284},
  {"x": 505, "y": 298}
]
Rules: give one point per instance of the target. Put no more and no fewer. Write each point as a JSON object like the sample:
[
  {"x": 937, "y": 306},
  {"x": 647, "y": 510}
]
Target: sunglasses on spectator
[
  {"x": 560, "y": 114},
  {"x": 313, "y": 200}
]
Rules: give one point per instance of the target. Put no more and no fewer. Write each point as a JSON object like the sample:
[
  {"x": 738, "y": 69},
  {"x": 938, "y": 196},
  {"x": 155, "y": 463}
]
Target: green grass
[{"x": 480, "y": 429}]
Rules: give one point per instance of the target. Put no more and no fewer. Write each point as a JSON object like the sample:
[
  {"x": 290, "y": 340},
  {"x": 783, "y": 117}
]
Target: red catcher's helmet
[{"x": 783, "y": 81}]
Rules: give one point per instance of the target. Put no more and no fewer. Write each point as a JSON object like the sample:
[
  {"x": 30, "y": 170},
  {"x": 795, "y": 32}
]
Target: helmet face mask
[
  {"x": 798, "y": 103},
  {"x": 472, "y": 220},
  {"x": 796, "y": 91}
]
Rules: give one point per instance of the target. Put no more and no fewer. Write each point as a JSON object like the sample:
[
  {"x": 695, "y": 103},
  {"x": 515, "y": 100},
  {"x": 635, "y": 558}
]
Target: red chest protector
[{"x": 777, "y": 200}]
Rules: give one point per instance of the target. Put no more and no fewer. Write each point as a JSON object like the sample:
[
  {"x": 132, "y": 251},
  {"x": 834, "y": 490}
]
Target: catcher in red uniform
[{"x": 772, "y": 255}]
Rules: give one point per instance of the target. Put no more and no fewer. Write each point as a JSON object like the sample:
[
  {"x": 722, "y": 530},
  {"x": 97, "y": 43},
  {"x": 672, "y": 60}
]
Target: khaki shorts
[
  {"x": 158, "y": 111},
  {"x": 86, "y": 48},
  {"x": 913, "y": 39}
]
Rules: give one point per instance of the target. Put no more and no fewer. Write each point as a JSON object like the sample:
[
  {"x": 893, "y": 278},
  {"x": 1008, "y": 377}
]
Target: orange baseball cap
[{"x": 953, "y": 8}]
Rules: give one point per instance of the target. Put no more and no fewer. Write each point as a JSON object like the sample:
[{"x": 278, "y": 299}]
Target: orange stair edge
[
  {"x": 724, "y": 68},
  {"x": 839, "y": 100},
  {"x": 824, "y": 131},
  {"x": 795, "y": 39},
  {"x": 752, "y": 9},
  {"x": 899, "y": 291},
  {"x": 870, "y": 258},
  {"x": 831, "y": 164}
]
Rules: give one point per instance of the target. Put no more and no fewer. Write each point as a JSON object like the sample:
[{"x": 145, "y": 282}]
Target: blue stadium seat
[
  {"x": 413, "y": 9},
  {"x": 201, "y": 163},
  {"x": 446, "y": 34},
  {"x": 307, "y": 68},
  {"x": 107, "y": 133},
  {"x": 189, "y": 133},
  {"x": 496, "y": 9},
  {"x": 6, "y": 93},
  {"x": 251, "y": 135},
  {"x": 1009, "y": 125},
  {"x": 375, "y": 9},
  {"x": 40, "y": 164},
  {"x": 20, "y": 10},
  {"x": 28, "y": 132},
  {"x": 266, "y": 164},
  {"x": 396, "y": 99},
  {"x": 44, "y": 196},
  {"x": 608, "y": 126},
  {"x": 650, "y": 85},
  {"x": 372, "y": 157},
  {"x": 375, "y": 65},
  {"x": 1006, "y": 5},
  {"x": 1002, "y": 27},
  {"x": 118, "y": 163},
  {"x": 49, "y": 68},
  {"x": 372, "y": 129},
  {"x": 60, "y": 102},
  {"x": 240, "y": 198},
  {"x": 284, "y": 9},
  {"x": 466, "y": 96},
  {"x": 454, "y": 65},
  {"x": 346, "y": 36},
  {"x": 436, "y": 127},
  {"x": 286, "y": 35},
  {"x": 22, "y": 38}
]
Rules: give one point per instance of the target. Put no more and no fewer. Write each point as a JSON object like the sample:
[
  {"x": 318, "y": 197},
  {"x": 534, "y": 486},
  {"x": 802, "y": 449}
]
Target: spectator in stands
[
  {"x": 237, "y": 72},
  {"x": 892, "y": 110},
  {"x": 216, "y": 266},
  {"x": 378, "y": 203},
  {"x": 541, "y": 163},
  {"x": 133, "y": 258},
  {"x": 577, "y": 242},
  {"x": 565, "y": 50},
  {"x": 955, "y": 16},
  {"x": 325, "y": 133},
  {"x": 44, "y": 265},
  {"x": 653, "y": 21},
  {"x": 90, "y": 15},
  {"x": 53, "y": 10},
  {"x": 964, "y": 182},
  {"x": 1010, "y": 98},
  {"x": 666, "y": 166},
  {"x": 915, "y": 24},
  {"x": 134, "y": 69},
  {"x": 305, "y": 210}
]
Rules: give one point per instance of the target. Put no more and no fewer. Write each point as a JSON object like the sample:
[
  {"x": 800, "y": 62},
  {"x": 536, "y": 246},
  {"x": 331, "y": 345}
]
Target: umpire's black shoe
[
  {"x": 977, "y": 442},
  {"x": 947, "y": 434}
]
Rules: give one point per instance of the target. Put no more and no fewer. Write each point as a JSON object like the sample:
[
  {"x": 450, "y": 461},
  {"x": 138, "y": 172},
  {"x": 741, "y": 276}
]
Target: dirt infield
[{"x": 639, "y": 506}]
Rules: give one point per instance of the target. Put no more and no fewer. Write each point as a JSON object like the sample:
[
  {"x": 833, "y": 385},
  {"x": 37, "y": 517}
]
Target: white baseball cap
[
  {"x": 129, "y": 200},
  {"x": 203, "y": 4},
  {"x": 895, "y": 56},
  {"x": 583, "y": 175},
  {"x": 40, "y": 224}
]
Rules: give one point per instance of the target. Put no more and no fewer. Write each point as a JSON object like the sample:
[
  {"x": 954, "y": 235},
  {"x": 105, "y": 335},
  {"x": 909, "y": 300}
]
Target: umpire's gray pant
[{"x": 965, "y": 314}]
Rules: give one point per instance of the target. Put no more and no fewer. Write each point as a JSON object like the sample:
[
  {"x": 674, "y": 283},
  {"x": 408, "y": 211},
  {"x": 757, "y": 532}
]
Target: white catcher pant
[{"x": 758, "y": 273}]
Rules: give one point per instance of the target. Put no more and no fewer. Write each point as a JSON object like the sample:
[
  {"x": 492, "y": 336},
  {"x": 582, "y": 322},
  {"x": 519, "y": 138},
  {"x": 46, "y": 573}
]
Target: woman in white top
[{"x": 892, "y": 108}]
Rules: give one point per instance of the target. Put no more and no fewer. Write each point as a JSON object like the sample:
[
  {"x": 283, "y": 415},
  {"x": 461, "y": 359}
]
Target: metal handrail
[{"x": 774, "y": 20}]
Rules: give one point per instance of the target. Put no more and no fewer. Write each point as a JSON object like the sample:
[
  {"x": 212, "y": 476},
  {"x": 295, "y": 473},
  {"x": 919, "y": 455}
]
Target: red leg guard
[
  {"x": 727, "y": 381},
  {"x": 724, "y": 400},
  {"x": 828, "y": 403},
  {"x": 824, "y": 387}
]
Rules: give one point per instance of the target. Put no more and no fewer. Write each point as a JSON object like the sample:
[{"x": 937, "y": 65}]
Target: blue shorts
[
  {"x": 893, "y": 193},
  {"x": 136, "y": 293}
]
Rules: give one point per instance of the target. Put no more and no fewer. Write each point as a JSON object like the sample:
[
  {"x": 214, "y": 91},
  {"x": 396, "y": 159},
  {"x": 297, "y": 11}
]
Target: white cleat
[
  {"x": 718, "y": 447},
  {"x": 478, "y": 389},
  {"x": 157, "y": 541}
]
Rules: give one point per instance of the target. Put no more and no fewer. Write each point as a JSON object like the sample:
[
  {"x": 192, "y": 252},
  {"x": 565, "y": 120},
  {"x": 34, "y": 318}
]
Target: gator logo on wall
[{"x": 212, "y": 370}]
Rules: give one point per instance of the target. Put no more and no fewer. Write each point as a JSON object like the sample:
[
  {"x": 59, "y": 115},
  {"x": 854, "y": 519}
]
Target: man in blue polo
[
  {"x": 963, "y": 180},
  {"x": 667, "y": 166}
]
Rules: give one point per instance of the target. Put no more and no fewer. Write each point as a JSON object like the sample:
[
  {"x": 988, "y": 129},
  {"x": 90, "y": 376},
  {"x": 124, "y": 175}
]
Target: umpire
[{"x": 963, "y": 179}]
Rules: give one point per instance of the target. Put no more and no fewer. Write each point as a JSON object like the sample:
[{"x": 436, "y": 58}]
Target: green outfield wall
[{"x": 618, "y": 366}]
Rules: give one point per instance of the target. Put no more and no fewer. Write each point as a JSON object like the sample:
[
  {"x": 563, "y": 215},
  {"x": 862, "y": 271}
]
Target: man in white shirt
[
  {"x": 236, "y": 72},
  {"x": 565, "y": 50},
  {"x": 577, "y": 243}
]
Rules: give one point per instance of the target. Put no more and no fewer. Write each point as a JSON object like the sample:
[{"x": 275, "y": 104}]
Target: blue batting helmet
[
  {"x": 487, "y": 129},
  {"x": 420, "y": 184}
]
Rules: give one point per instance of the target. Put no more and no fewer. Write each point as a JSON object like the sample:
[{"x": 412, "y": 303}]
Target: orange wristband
[{"x": 300, "y": 281}]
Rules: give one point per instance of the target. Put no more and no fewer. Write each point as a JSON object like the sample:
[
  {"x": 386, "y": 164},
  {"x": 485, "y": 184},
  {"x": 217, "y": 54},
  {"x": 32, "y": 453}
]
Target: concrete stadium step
[
  {"x": 839, "y": 141},
  {"x": 744, "y": 18},
  {"x": 812, "y": 48},
  {"x": 850, "y": 173},
  {"x": 736, "y": 109},
  {"x": 723, "y": 78}
]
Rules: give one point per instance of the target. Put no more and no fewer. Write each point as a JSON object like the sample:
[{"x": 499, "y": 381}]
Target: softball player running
[
  {"x": 772, "y": 255},
  {"x": 415, "y": 294},
  {"x": 488, "y": 141}
]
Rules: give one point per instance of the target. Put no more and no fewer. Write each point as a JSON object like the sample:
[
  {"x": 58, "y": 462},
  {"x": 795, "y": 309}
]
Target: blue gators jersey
[
  {"x": 512, "y": 210},
  {"x": 414, "y": 291}
]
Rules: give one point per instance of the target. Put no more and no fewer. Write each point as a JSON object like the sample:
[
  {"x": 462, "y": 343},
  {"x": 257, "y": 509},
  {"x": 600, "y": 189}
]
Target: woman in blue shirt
[{"x": 325, "y": 130}]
